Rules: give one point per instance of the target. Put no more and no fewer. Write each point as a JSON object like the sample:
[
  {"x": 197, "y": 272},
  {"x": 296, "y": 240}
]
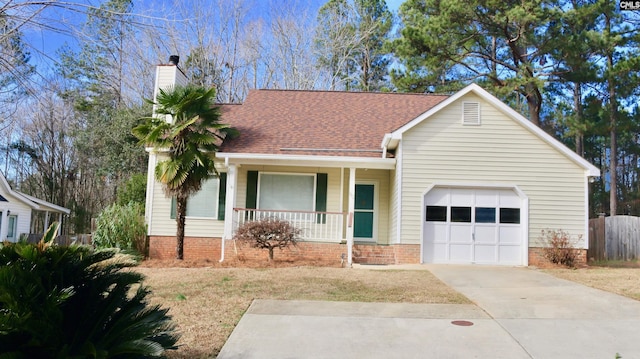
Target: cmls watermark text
[{"x": 629, "y": 5}]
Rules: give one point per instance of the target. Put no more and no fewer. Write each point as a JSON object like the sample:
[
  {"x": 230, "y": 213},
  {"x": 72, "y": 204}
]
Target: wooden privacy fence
[
  {"x": 62, "y": 240},
  {"x": 614, "y": 238}
]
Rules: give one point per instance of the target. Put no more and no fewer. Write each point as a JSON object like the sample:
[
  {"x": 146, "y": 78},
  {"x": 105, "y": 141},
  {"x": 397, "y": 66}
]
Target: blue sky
[{"x": 44, "y": 43}]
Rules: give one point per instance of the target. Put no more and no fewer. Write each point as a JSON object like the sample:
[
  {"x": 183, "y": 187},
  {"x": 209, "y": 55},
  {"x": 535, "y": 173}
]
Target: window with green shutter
[
  {"x": 288, "y": 192},
  {"x": 208, "y": 202}
]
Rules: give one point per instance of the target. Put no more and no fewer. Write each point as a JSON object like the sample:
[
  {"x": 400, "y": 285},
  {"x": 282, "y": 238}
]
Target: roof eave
[
  {"x": 44, "y": 205},
  {"x": 307, "y": 161}
]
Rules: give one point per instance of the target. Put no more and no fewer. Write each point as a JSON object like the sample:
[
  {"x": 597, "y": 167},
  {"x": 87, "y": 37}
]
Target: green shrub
[
  {"x": 74, "y": 302},
  {"x": 121, "y": 226},
  {"x": 268, "y": 233},
  {"x": 134, "y": 190}
]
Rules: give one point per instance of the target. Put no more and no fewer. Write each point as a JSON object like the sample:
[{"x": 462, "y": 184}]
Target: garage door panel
[
  {"x": 509, "y": 255},
  {"x": 486, "y": 198},
  {"x": 435, "y": 232},
  {"x": 460, "y": 253},
  {"x": 509, "y": 235},
  {"x": 485, "y": 254},
  {"x": 461, "y": 233},
  {"x": 462, "y": 197},
  {"x": 467, "y": 225},
  {"x": 438, "y": 197},
  {"x": 486, "y": 234},
  {"x": 440, "y": 253}
]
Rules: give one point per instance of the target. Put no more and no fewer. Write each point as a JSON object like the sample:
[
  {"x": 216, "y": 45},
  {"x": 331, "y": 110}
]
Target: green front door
[{"x": 364, "y": 209}]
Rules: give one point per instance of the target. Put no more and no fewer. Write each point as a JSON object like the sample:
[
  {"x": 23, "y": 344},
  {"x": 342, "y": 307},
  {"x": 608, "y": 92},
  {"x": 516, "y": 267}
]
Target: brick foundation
[
  {"x": 201, "y": 248},
  {"x": 206, "y": 248},
  {"x": 537, "y": 258}
]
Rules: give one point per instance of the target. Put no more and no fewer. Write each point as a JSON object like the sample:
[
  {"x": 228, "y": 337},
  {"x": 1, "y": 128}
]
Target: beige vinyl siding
[
  {"x": 499, "y": 151},
  {"x": 163, "y": 225}
]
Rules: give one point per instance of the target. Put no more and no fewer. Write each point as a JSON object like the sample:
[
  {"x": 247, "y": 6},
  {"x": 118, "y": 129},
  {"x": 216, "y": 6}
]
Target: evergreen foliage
[
  {"x": 74, "y": 302},
  {"x": 134, "y": 190},
  {"x": 122, "y": 227}
]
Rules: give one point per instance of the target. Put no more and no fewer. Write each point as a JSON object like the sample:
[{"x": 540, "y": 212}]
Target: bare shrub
[
  {"x": 559, "y": 247},
  {"x": 268, "y": 233}
]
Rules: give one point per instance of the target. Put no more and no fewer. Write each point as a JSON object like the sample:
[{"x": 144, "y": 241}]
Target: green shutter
[
  {"x": 321, "y": 196},
  {"x": 173, "y": 208},
  {"x": 222, "y": 195},
  {"x": 252, "y": 189}
]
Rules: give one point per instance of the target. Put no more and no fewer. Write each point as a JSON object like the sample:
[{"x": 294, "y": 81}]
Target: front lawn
[
  {"x": 207, "y": 303},
  {"x": 615, "y": 279}
]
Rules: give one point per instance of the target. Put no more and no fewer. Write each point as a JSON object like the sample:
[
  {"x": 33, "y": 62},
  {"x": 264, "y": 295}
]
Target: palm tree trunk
[{"x": 181, "y": 213}]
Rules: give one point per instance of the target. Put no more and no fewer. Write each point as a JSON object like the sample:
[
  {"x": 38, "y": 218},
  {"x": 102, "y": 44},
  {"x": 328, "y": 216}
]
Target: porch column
[
  {"x": 351, "y": 209},
  {"x": 3, "y": 225},
  {"x": 60, "y": 223},
  {"x": 46, "y": 221},
  {"x": 230, "y": 202}
]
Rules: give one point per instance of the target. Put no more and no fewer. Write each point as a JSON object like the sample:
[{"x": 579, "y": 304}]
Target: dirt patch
[{"x": 207, "y": 300}]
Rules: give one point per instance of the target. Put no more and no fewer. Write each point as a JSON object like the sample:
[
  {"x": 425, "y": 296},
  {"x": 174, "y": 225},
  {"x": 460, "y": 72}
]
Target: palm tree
[{"x": 189, "y": 132}]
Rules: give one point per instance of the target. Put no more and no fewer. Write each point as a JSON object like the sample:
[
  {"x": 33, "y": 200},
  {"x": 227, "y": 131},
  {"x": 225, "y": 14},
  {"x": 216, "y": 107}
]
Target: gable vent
[{"x": 471, "y": 113}]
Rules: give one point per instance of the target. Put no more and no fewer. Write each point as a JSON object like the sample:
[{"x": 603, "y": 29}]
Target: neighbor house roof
[
  {"x": 32, "y": 202},
  {"x": 324, "y": 123}
]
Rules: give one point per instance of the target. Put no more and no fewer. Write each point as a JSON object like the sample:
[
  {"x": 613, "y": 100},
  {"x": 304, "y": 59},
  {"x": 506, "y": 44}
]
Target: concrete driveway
[{"x": 519, "y": 313}]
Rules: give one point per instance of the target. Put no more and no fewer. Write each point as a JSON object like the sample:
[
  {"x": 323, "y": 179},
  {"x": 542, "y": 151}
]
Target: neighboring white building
[
  {"x": 422, "y": 178},
  {"x": 16, "y": 210}
]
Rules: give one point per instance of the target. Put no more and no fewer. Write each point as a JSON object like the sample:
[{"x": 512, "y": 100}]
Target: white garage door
[{"x": 472, "y": 226}]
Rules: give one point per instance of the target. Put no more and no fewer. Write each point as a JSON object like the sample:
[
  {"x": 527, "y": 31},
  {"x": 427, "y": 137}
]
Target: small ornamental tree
[{"x": 268, "y": 233}]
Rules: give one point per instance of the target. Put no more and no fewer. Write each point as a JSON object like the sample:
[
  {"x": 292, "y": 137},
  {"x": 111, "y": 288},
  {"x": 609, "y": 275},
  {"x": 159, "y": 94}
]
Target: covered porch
[{"x": 331, "y": 202}]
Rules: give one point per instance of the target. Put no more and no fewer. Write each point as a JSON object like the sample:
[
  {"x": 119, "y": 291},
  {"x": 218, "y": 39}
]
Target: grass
[
  {"x": 207, "y": 303},
  {"x": 618, "y": 277}
]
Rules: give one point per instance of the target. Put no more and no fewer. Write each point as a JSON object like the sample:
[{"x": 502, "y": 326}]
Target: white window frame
[
  {"x": 215, "y": 201},
  {"x": 315, "y": 184}
]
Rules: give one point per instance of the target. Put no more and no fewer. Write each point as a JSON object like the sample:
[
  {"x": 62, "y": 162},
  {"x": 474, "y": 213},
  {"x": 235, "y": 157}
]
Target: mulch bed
[{"x": 237, "y": 263}]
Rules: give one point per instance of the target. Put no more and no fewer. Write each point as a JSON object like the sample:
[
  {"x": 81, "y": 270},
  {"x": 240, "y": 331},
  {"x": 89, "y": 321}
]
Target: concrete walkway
[{"x": 520, "y": 313}]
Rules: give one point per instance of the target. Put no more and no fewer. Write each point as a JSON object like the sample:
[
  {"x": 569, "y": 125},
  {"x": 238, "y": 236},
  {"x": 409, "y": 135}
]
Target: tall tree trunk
[
  {"x": 613, "y": 114},
  {"x": 534, "y": 103},
  {"x": 577, "y": 104},
  {"x": 181, "y": 213}
]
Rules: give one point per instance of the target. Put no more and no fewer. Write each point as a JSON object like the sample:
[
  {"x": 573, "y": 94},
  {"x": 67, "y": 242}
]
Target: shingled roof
[{"x": 325, "y": 123}]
